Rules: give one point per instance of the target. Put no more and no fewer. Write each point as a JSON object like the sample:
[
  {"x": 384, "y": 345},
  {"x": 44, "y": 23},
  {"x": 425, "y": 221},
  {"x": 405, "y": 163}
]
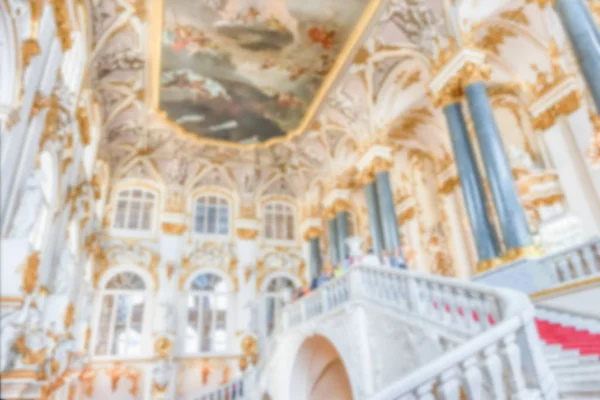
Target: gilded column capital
[
  {"x": 466, "y": 66},
  {"x": 337, "y": 200},
  {"x": 312, "y": 228},
  {"x": 376, "y": 159}
]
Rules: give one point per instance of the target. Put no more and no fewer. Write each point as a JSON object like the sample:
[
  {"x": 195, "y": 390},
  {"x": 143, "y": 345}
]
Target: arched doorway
[{"x": 319, "y": 372}]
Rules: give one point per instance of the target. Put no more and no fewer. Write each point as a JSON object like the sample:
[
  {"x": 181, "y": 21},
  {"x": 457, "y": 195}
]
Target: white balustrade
[
  {"x": 501, "y": 354},
  {"x": 575, "y": 263},
  {"x": 535, "y": 275}
]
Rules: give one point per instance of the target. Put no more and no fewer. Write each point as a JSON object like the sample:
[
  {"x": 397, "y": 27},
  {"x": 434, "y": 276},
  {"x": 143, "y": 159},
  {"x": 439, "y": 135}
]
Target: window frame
[
  {"x": 194, "y": 212},
  {"x": 135, "y": 232},
  {"x": 184, "y": 307},
  {"x": 293, "y": 213},
  {"x": 146, "y": 325}
]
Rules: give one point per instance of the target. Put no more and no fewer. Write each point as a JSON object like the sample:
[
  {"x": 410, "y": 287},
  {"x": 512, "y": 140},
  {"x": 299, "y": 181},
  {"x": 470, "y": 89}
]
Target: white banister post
[
  {"x": 449, "y": 385},
  {"x": 590, "y": 259},
  {"x": 536, "y": 360},
  {"x": 425, "y": 391},
  {"x": 355, "y": 282},
  {"x": 473, "y": 378},
  {"x": 512, "y": 355},
  {"x": 414, "y": 300},
  {"x": 493, "y": 365}
]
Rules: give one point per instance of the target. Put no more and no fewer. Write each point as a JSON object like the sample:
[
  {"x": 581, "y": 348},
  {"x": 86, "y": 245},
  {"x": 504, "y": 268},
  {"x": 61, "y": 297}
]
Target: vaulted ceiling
[{"x": 371, "y": 84}]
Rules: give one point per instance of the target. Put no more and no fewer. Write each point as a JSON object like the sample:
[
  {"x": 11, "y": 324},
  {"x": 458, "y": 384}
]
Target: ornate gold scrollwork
[
  {"x": 247, "y": 233},
  {"x": 173, "y": 228}
]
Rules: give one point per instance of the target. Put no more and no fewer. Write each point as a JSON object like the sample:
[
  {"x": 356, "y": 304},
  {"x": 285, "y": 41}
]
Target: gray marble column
[
  {"x": 511, "y": 215},
  {"x": 315, "y": 257},
  {"x": 583, "y": 34},
  {"x": 333, "y": 241},
  {"x": 387, "y": 210},
  {"x": 486, "y": 240},
  {"x": 341, "y": 219},
  {"x": 374, "y": 217}
]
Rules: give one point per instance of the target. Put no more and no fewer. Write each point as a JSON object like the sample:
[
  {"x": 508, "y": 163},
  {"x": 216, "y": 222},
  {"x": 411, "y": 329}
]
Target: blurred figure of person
[
  {"x": 397, "y": 260},
  {"x": 322, "y": 278}
]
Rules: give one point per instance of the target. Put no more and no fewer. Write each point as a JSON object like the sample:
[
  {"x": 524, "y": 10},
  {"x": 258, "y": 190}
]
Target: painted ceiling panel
[{"x": 248, "y": 70}]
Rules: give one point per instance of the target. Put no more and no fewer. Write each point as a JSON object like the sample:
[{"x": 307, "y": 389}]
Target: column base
[
  {"x": 488, "y": 265},
  {"x": 520, "y": 253}
]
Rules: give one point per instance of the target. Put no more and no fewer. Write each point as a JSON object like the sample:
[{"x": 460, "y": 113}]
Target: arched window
[
  {"x": 134, "y": 210},
  {"x": 211, "y": 215},
  {"x": 120, "y": 327},
  {"x": 278, "y": 292},
  {"x": 206, "y": 329},
  {"x": 279, "y": 221}
]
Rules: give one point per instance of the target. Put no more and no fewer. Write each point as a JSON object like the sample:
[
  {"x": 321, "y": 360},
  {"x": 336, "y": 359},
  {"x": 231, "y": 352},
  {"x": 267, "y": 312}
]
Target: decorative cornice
[{"x": 545, "y": 117}]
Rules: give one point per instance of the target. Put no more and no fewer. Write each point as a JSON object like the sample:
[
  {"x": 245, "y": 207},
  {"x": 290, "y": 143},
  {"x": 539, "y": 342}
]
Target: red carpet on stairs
[{"x": 568, "y": 337}]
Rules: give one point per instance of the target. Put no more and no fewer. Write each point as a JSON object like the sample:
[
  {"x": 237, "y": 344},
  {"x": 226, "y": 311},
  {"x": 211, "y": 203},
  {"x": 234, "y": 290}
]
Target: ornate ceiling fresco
[
  {"x": 379, "y": 94},
  {"x": 248, "y": 70}
]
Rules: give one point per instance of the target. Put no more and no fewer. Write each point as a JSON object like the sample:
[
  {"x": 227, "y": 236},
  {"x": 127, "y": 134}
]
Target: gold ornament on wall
[
  {"x": 247, "y": 233},
  {"x": 29, "y": 49},
  {"x": 63, "y": 23},
  {"x": 84, "y": 125},
  {"x": 593, "y": 151},
  {"x": 173, "y": 228},
  {"x": 69, "y": 316},
  {"x": 30, "y": 274}
]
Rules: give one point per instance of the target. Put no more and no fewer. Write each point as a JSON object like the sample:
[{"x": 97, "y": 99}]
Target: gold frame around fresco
[{"x": 153, "y": 76}]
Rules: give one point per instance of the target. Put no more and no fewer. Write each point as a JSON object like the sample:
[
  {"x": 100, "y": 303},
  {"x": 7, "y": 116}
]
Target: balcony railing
[
  {"x": 500, "y": 355},
  {"x": 536, "y": 275}
]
